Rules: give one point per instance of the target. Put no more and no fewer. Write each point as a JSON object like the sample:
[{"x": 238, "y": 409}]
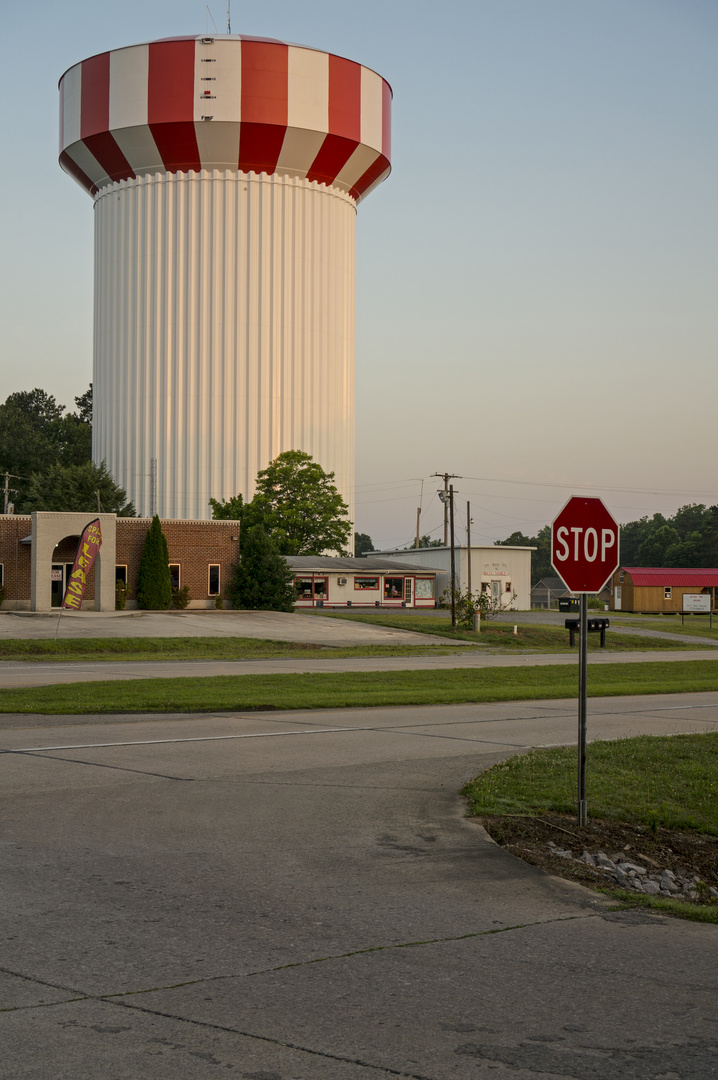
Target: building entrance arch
[{"x": 53, "y": 533}]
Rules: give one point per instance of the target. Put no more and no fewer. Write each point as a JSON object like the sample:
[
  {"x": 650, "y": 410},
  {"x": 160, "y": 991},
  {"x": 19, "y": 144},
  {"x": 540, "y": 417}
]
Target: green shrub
[
  {"x": 121, "y": 593},
  {"x": 180, "y": 597},
  {"x": 467, "y": 604},
  {"x": 219, "y": 603},
  {"x": 154, "y": 586},
  {"x": 261, "y": 580}
]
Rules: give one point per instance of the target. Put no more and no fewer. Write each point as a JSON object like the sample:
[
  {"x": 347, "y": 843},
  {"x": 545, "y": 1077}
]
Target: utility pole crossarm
[{"x": 444, "y": 496}]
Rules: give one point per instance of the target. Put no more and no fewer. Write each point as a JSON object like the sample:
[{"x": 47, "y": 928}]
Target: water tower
[{"x": 225, "y": 173}]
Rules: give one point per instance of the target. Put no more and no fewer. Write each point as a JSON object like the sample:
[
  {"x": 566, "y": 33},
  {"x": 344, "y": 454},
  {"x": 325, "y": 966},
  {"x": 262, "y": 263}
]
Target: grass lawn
[
  {"x": 498, "y": 636},
  {"x": 358, "y": 689},
  {"x": 660, "y": 793},
  {"x": 196, "y": 648},
  {"x": 694, "y": 625},
  {"x": 501, "y": 635},
  {"x": 649, "y": 780}
]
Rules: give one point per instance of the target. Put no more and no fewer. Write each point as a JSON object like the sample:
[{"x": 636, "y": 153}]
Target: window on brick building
[
  {"x": 213, "y": 579},
  {"x": 175, "y": 575},
  {"x": 2, "y": 574},
  {"x": 121, "y": 574}
]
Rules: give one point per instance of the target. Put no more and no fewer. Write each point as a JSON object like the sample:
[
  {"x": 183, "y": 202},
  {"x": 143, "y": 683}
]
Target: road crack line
[{"x": 354, "y": 952}]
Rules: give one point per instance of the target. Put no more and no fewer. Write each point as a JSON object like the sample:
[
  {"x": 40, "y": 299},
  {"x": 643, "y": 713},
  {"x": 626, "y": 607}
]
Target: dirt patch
[{"x": 528, "y": 838}]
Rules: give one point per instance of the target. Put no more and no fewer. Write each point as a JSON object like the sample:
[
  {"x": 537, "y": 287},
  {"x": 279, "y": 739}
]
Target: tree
[
  {"x": 297, "y": 504},
  {"x": 154, "y": 585},
  {"x": 84, "y": 407},
  {"x": 74, "y": 489},
  {"x": 634, "y": 534},
  {"x": 468, "y": 604},
  {"x": 652, "y": 551},
  {"x": 711, "y": 537},
  {"x": 261, "y": 580},
  {"x": 75, "y": 432},
  {"x": 229, "y": 509},
  {"x": 28, "y": 433},
  {"x": 35, "y": 435},
  {"x": 362, "y": 544},
  {"x": 541, "y": 558},
  {"x": 425, "y": 541},
  {"x": 687, "y": 553}
]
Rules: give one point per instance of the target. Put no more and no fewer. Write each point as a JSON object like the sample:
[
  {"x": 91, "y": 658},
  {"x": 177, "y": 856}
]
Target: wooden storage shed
[{"x": 660, "y": 588}]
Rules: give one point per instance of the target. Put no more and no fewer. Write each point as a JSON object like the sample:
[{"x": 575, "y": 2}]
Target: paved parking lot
[
  {"x": 298, "y": 896},
  {"x": 271, "y": 625}
]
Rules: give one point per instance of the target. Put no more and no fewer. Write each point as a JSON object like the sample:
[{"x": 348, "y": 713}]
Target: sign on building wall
[{"x": 87, "y": 550}]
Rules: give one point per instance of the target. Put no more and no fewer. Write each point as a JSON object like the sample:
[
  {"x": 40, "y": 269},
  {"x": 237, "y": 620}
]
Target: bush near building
[
  {"x": 154, "y": 587},
  {"x": 262, "y": 580}
]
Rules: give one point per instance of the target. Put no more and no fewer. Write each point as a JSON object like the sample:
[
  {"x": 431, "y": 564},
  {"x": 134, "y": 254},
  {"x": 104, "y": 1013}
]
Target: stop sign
[{"x": 584, "y": 544}]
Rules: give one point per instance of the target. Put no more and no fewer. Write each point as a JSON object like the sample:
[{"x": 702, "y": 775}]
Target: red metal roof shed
[{"x": 672, "y": 575}]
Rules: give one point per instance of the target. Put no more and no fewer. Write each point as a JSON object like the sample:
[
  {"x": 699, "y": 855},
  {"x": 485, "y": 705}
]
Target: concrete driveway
[{"x": 285, "y": 896}]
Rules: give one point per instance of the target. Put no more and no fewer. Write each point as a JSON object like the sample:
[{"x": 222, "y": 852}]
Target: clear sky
[{"x": 537, "y": 279}]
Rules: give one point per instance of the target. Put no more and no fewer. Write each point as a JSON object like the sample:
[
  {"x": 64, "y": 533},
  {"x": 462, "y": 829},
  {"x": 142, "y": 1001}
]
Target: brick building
[{"x": 37, "y": 552}]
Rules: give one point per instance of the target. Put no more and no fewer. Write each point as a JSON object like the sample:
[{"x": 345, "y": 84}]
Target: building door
[
  {"x": 58, "y": 584},
  {"x": 409, "y": 592},
  {"x": 60, "y": 577},
  {"x": 617, "y": 599}
]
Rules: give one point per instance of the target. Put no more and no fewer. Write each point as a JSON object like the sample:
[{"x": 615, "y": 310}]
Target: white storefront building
[
  {"x": 376, "y": 581},
  {"x": 497, "y": 570}
]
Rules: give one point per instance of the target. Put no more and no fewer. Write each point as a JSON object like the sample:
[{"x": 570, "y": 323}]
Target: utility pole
[
  {"x": 7, "y": 489},
  {"x": 153, "y": 486},
  {"x": 444, "y": 496},
  {"x": 453, "y": 559},
  {"x": 418, "y": 521},
  {"x": 468, "y": 545}
]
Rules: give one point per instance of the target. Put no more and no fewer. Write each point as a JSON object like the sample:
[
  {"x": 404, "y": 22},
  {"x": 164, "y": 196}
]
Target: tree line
[
  {"x": 687, "y": 539},
  {"x": 46, "y": 452}
]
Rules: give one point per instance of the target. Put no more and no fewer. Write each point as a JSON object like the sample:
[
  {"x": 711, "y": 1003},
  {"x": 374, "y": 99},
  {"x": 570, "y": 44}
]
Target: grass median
[
  {"x": 693, "y": 626},
  {"x": 358, "y": 689},
  {"x": 529, "y": 636},
  {"x": 198, "y": 648},
  {"x": 652, "y": 800},
  {"x": 494, "y": 637}
]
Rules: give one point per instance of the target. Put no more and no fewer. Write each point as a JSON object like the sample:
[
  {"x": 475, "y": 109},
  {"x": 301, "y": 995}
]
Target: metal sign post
[
  {"x": 582, "y": 675},
  {"x": 584, "y": 553}
]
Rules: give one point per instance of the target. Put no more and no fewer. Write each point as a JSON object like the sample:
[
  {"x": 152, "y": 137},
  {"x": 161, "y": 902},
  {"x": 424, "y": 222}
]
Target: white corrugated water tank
[{"x": 225, "y": 173}]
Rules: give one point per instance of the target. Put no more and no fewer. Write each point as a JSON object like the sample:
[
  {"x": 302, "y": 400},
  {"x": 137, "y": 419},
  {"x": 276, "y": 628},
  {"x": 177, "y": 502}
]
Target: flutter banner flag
[{"x": 87, "y": 549}]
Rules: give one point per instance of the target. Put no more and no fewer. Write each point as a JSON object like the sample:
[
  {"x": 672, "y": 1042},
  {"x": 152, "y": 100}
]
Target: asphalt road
[{"x": 297, "y": 896}]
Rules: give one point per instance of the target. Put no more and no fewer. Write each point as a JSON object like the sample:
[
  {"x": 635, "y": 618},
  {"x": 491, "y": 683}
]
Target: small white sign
[
  {"x": 56, "y": 574},
  {"x": 697, "y": 602}
]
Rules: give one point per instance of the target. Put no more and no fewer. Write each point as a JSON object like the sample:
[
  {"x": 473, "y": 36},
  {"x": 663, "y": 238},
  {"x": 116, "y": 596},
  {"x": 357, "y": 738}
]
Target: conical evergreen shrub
[
  {"x": 154, "y": 587},
  {"x": 261, "y": 580}
]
